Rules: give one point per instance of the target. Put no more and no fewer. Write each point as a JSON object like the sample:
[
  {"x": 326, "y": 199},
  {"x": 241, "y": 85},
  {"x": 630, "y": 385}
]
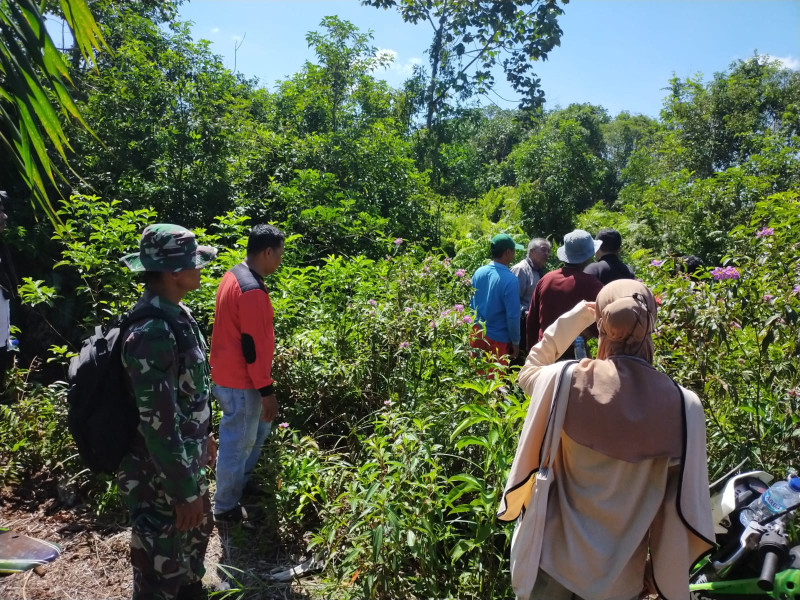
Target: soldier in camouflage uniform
[{"x": 163, "y": 478}]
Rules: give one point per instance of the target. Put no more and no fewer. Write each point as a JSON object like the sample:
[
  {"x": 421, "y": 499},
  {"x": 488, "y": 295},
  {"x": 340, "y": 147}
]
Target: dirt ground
[{"x": 94, "y": 562}]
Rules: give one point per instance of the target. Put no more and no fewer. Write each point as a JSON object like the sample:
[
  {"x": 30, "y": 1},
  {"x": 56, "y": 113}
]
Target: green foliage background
[{"x": 395, "y": 449}]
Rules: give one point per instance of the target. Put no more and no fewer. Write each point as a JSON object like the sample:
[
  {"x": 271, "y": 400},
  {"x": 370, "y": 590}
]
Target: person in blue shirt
[{"x": 496, "y": 301}]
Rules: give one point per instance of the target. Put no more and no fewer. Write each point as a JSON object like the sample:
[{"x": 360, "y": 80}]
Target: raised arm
[{"x": 556, "y": 339}]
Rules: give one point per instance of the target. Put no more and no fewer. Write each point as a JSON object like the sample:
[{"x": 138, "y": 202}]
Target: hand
[
  {"x": 514, "y": 350},
  {"x": 592, "y": 306},
  {"x": 212, "y": 452},
  {"x": 269, "y": 408},
  {"x": 189, "y": 515}
]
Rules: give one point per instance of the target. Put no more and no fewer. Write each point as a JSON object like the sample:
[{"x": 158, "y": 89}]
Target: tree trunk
[{"x": 434, "y": 137}]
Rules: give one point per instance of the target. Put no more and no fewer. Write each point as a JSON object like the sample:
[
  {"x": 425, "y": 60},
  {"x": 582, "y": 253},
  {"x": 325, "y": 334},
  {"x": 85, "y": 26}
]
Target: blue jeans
[{"x": 241, "y": 435}]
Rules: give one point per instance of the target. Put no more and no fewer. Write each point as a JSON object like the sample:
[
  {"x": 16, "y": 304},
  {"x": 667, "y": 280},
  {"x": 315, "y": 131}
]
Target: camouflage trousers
[{"x": 163, "y": 558}]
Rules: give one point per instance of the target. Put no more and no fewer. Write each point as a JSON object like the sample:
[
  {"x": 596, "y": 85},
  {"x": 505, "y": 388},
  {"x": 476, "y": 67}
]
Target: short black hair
[
  {"x": 612, "y": 240},
  {"x": 151, "y": 277},
  {"x": 263, "y": 237},
  {"x": 495, "y": 253}
]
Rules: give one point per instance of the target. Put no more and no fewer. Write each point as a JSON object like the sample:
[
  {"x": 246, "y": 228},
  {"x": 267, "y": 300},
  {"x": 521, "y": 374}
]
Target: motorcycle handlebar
[{"x": 766, "y": 581}]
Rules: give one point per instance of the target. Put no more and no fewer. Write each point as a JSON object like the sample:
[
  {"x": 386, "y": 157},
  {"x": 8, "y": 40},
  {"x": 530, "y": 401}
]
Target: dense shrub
[{"x": 732, "y": 333}]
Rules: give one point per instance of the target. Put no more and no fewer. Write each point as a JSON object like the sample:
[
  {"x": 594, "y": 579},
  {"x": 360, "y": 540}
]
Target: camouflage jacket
[{"x": 172, "y": 393}]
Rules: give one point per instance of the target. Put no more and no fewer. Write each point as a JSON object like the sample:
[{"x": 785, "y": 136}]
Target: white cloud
[
  {"x": 395, "y": 67},
  {"x": 407, "y": 68},
  {"x": 386, "y": 53},
  {"x": 787, "y": 62},
  {"x": 215, "y": 30}
]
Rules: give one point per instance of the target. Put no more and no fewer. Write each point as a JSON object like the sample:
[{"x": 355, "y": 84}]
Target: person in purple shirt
[{"x": 496, "y": 301}]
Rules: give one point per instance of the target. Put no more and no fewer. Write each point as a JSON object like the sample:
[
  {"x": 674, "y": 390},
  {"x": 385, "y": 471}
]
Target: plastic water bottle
[
  {"x": 777, "y": 498},
  {"x": 580, "y": 349}
]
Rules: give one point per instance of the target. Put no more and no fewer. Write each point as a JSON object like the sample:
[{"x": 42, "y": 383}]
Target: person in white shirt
[
  {"x": 528, "y": 272},
  {"x": 8, "y": 290}
]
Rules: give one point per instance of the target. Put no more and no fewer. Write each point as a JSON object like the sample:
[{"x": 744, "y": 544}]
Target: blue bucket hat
[{"x": 578, "y": 246}]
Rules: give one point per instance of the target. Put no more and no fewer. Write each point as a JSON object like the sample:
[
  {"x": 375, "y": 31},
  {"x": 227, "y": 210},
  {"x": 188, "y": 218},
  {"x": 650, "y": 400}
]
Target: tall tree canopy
[{"x": 470, "y": 38}]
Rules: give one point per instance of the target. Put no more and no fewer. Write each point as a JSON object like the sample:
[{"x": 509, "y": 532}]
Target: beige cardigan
[{"x": 603, "y": 513}]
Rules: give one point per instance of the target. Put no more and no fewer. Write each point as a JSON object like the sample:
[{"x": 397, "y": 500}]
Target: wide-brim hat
[
  {"x": 578, "y": 247},
  {"x": 168, "y": 248}
]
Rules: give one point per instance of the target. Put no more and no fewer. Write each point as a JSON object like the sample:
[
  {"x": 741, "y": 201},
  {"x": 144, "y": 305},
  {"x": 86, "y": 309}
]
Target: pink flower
[
  {"x": 371, "y": 302},
  {"x": 387, "y": 402},
  {"x": 656, "y": 263},
  {"x": 404, "y": 344},
  {"x": 398, "y": 241},
  {"x": 458, "y": 307},
  {"x": 446, "y": 262},
  {"x": 734, "y": 325},
  {"x": 432, "y": 324},
  {"x": 767, "y": 297},
  {"x": 426, "y": 269},
  {"x": 284, "y": 425},
  {"x": 371, "y": 313},
  {"x": 466, "y": 319},
  {"x": 720, "y": 273},
  {"x": 765, "y": 232},
  {"x": 444, "y": 313},
  {"x": 408, "y": 309},
  {"x": 796, "y": 290},
  {"x": 461, "y": 273}
]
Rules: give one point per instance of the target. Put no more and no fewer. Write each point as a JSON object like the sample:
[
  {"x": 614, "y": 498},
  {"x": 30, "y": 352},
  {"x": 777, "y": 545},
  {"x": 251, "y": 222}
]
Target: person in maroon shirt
[{"x": 560, "y": 290}]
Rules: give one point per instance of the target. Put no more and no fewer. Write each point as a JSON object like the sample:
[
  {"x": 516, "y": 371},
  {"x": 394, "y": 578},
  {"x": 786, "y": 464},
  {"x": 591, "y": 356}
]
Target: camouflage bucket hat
[{"x": 171, "y": 248}]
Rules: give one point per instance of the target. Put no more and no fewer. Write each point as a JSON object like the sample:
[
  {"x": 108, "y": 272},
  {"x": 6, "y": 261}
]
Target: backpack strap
[{"x": 185, "y": 339}]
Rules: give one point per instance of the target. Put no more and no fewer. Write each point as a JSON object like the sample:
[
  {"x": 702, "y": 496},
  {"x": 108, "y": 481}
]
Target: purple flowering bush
[
  {"x": 732, "y": 334},
  {"x": 376, "y": 377}
]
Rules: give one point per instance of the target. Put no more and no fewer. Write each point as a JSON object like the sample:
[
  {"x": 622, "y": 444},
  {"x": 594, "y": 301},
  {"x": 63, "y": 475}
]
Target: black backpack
[{"x": 102, "y": 415}]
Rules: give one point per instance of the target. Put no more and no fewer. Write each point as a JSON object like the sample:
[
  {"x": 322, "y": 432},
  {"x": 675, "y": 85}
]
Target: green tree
[
  {"x": 339, "y": 92},
  {"x": 172, "y": 118},
  {"x": 562, "y": 169},
  {"x": 475, "y": 144},
  {"x": 330, "y": 155},
  {"x": 718, "y": 124},
  {"x": 471, "y": 38},
  {"x": 721, "y": 147},
  {"x": 346, "y": 59},
  {"x": 623, "y": 135}
]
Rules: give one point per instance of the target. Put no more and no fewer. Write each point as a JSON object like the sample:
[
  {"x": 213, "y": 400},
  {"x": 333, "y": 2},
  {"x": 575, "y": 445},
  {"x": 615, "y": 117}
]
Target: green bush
[{"x": 732, "y": 333}]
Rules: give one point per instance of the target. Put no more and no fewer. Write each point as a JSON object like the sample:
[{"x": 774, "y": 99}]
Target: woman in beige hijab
[{"x": 629, "y": 477}]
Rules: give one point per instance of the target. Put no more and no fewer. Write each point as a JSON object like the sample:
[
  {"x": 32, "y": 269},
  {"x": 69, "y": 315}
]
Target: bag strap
[
  {"x": 185, "y": 340},
  {"x": 558, "y": 410}
]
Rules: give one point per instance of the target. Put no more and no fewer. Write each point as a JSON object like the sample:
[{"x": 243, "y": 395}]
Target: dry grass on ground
[{"x": 94, "y": 563}]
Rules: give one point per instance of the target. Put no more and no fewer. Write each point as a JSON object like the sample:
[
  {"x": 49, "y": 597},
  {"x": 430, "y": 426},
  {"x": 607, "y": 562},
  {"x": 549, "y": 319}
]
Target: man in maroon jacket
[
  {"x": 560, "y": 290},
  {"x": 242, "y": 347}
]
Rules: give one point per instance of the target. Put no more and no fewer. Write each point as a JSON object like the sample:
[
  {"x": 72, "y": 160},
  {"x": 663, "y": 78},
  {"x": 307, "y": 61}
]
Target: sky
[{"x": 619, "y": 54}]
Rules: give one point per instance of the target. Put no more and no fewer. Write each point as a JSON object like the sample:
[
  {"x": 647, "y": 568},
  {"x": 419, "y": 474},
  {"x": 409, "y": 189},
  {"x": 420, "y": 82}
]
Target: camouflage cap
[{"x": 171, "y": 248}]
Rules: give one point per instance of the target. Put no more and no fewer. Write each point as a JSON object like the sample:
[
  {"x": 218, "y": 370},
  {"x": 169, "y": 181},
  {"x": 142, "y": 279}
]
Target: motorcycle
[{"x": 759, "y": 559}]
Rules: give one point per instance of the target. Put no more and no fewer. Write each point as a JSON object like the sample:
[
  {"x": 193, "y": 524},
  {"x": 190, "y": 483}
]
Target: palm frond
[{"x": 34, "y": 89}]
